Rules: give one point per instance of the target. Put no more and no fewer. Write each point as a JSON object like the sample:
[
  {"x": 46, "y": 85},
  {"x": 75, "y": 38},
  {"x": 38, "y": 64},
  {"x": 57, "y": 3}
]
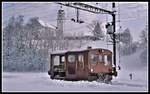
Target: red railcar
[{"x": 89, "y": 64}]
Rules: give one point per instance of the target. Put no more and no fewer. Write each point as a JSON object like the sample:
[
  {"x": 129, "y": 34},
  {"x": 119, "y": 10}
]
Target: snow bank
[
  {"x": 133, "y": 61},
  {"x": 41, "y": 82}
]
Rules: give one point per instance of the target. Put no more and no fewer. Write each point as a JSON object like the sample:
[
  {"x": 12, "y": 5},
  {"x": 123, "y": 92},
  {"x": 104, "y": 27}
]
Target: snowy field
[
  {"x": 41, "y": 82},
  {"x": 29, "y": 82}
]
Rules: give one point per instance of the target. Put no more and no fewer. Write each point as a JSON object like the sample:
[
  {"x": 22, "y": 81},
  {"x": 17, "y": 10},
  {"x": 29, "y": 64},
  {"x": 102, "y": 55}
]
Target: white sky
[{"x": 132, "y": 15}]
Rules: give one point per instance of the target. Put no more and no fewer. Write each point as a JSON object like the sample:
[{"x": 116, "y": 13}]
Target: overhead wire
[{"x": 29, "y": 9}]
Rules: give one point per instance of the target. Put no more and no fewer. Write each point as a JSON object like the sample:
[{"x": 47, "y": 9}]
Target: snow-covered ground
[{"x": 41, "y": 81}]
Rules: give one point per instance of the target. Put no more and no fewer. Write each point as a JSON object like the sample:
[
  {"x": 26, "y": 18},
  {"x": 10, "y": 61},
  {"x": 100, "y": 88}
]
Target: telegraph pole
[{"x": 114, "y": 35}]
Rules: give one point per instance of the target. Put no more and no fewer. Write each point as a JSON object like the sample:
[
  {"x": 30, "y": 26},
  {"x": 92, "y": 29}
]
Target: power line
[{"x": 31, "y": 11}]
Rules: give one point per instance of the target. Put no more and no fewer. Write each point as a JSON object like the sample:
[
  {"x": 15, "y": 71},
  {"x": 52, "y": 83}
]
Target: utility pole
[
  {"x": 77, "y": 15},
  {"x": 114, "y": 35}
]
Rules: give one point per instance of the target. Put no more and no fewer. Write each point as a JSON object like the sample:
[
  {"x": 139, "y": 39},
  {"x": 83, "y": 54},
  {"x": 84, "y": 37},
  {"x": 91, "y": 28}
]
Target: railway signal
[{"x": 109, "y": 28}]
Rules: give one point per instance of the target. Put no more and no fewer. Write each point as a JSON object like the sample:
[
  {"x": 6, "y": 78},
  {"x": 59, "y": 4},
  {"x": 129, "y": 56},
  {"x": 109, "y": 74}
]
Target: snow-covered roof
[
  {"x": 45, "y": 24},
  {"x": 69, "y": 50}
]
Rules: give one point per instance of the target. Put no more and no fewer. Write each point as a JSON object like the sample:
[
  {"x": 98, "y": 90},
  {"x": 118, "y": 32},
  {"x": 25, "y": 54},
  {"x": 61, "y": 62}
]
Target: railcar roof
[
  {"x": 74, "y": 50},
  {"x": 65, "y": 51}
]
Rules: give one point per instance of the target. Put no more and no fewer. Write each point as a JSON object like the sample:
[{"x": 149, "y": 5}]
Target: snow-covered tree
[
  {"x": 126, "y": 37},
  {"x": 126, "y": 41},
  {"x": 36, "y": 37},
  {"x": 21, "y": 46},
  {"x": 95, "y": 28},
  {"x": 143, "y": 37},
  {"x": 8, "y": 43},
  {"x": 27, "y": 45},
  {"x": 143, "y": 45}
]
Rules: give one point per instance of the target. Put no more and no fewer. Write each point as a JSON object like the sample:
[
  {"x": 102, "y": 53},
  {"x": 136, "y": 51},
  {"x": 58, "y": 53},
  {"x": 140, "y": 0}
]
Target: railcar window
[
  {"x": 100, "y": 58},
  {"x": 109, "y": 58},
  {"x": 71, "y": 58},
  {"x": 56, "y": 60},
  {"x": 81, "y": 60},
  {"x": 63, "y": 59},
  {"x": 94, "y": 58},
  {"x": 105, "y": 60}
]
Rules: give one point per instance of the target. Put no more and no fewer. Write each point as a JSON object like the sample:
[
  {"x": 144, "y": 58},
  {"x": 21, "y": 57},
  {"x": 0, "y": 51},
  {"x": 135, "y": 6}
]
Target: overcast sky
[{"x": 131, "y": 15}]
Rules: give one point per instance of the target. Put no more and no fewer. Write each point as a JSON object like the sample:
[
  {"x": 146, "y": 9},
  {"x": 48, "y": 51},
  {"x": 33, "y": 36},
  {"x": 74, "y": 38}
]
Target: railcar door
[{"x": 71, "y": 64}]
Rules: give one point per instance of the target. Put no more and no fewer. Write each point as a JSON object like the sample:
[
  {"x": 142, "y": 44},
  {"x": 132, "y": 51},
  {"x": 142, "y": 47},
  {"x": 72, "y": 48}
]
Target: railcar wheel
[
  {"x": 101, "y": 77},
  {"x": 108, "y": 79},
  {"x": 104, "y": 78},
  {"x": 52, "y": 75},
  {"x": 92, "y": 78}
]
